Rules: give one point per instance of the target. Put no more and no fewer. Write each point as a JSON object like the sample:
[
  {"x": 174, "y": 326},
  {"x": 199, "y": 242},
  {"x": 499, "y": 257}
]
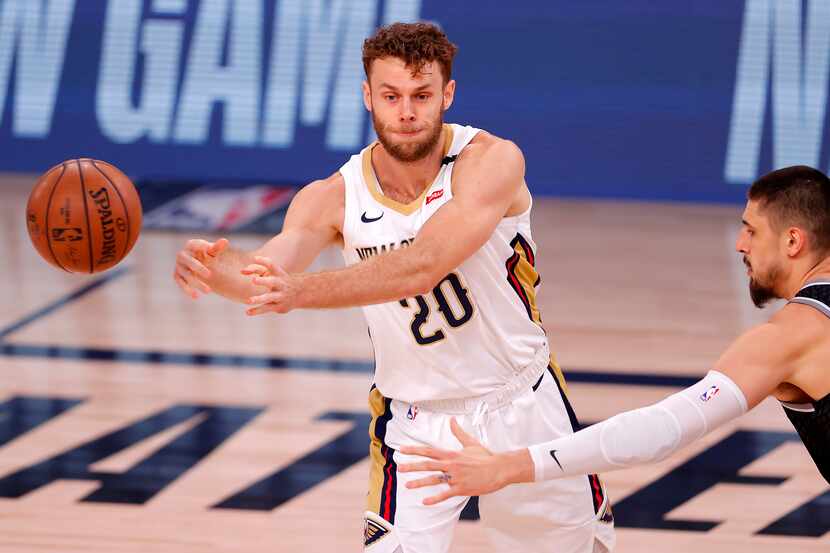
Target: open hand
[
  {"x": 474, "y": 470},
  {"x": 283, "y": 288},
  {"x": 192, "y": 262}
]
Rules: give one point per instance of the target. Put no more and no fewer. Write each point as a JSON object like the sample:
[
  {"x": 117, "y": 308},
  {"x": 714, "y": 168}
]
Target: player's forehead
[
  {"x": 393, "y": 73},
  {"x": 753, "y": 214}
]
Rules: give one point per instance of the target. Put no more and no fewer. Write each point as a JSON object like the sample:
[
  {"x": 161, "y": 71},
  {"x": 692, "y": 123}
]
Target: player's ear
[
  {"x": 367, "y": 96},
  {"x": 795, "y": 241},
  {"x": 449, "y": 94}
]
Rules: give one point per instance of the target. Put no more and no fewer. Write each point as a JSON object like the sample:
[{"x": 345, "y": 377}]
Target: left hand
[
  {"x": 474, "y": 470},
  {"x": 283, "y": 289}
]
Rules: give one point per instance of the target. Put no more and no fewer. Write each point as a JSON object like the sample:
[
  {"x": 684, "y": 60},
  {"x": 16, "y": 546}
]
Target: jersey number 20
[{"x": 450, "y": 283}]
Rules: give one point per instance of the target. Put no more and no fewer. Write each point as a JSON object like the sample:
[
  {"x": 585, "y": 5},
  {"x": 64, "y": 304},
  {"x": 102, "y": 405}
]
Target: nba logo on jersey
[
  {"x": 709, "y": 394},
  {"x": 412, "y": 412}
]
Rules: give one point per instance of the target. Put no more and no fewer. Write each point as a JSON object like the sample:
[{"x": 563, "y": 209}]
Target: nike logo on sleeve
[{"x": 553, "y": 454}]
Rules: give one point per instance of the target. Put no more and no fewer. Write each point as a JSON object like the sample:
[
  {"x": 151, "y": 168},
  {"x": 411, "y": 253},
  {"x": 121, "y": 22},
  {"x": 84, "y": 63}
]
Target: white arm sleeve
[{"x": 643, "y": 435}]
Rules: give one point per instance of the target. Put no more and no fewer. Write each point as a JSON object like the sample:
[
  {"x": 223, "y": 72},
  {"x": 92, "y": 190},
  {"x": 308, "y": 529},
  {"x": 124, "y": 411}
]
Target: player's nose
[
  {"x": 741, "y": 249},
  {"x": 741, "y": 243},
  {"x": 407, "y": 113}
]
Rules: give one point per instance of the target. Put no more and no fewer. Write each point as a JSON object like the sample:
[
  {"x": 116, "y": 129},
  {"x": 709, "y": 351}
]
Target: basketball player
[
  {"x": 434, "y": 222},
  {"x": 785, "y": 242}
]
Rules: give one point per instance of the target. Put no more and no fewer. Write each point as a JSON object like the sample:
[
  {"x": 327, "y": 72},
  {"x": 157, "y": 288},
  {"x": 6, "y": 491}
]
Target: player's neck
[
  {"x": 818, "y": 271},
  {"x": 405, "y": 181}
]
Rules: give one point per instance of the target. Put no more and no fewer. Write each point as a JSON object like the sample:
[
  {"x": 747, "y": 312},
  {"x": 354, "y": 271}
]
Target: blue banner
[{"x": 636, "y": 99}]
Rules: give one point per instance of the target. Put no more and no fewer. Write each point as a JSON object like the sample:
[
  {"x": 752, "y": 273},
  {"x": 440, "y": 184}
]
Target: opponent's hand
[
  {"x": 283, "y": 288},
  {"x": 474, "y": 470},
  {"x": 192, "y": 263}
]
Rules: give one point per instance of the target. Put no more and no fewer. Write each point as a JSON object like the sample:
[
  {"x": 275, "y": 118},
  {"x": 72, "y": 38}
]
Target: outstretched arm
[
  {"x": 313, "y": 221},
  {"x": 486, "y": 183},
  {"x": 746, "y": 373}
]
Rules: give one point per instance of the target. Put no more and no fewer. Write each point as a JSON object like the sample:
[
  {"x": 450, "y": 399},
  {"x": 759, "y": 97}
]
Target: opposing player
[
  {"x": 785, "y": 242},
  {"x": 434, "y": 222}
]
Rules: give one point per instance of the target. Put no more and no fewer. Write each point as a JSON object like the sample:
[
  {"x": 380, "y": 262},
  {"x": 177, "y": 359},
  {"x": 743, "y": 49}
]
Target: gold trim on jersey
[
  {"x": 373, "y": 185},
  {"x": 557, "y": 372},
  {"x": 527, "y": 277},
  {"x": 524, "y": 278}
]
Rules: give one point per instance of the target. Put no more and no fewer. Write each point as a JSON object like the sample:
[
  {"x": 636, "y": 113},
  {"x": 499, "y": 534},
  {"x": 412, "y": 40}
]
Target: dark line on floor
[
  {"x": 298, "y": 363},
  {"x": 62, "y": 302}
]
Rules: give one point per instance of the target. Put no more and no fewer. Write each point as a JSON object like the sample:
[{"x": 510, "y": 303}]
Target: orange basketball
[{"x": 83, "y": 216}]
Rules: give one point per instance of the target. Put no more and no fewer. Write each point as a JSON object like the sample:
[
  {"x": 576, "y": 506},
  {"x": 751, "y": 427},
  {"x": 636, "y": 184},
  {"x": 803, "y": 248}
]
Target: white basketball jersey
[{"x": 478, "y": 326}]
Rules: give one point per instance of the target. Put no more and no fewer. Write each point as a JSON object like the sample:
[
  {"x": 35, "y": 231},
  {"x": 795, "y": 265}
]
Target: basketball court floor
[{"x": 134, "y": 419}]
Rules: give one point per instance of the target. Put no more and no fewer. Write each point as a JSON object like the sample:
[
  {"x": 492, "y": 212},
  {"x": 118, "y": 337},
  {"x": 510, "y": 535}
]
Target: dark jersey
[{"x": 812, "y": 420}]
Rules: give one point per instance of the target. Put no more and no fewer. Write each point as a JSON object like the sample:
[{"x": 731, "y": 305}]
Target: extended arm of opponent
[{"x": 749, "y": 371}]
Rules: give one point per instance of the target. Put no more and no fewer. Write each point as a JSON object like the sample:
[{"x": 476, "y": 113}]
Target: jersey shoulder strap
[{"x": 816, "y": 295}]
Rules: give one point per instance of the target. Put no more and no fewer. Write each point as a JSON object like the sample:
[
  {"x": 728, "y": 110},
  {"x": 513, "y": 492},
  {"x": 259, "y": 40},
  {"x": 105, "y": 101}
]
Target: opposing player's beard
[
  {"x": 411, "y": 151},
  {"x": 761, "y": 288}
]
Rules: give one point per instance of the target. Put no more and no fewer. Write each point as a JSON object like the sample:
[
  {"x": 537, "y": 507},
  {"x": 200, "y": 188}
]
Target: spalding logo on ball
[{"x": 83, "y": 216}]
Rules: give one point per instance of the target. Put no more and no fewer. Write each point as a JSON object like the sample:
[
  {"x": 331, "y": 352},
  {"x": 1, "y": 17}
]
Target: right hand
[
  {"x": 191, "y": 270},
  {"x": 472, "y": 470}
]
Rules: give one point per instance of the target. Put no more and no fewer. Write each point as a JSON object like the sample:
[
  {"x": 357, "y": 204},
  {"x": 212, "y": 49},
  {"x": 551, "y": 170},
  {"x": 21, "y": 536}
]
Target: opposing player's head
[
  {"x": 786, "y": 229},
  {"x": 408, "y": 86}
]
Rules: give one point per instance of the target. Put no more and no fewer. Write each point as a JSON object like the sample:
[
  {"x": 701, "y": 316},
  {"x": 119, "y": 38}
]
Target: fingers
[
  {"x": 190, "y": 285},
  {"x": 271, "y": 282},
  {"x": 425, "y": 451},
  {"x": 267, "y": 308},
  {"x": 465, "y": 439},
  {"x": 274, "y": 283},
  {"x": 217, "y": 247},
  {"x": 443, "y": 496},
  {"x": 266, "y": 263},
  {"x": 190, "y": 271},
  {"x": 269, "y": 297},
  {"x": 270, "y": 276},
  {"x": 188, "y": 280},
  {"x": 260, "y": 310},
  {"x": 433, "y": 480},
  {"x": 423, "y": 466},
  {"x": 184, "y": 286},
  {"x": 272, "y": 268},
  {"x": 262, "y": 267},
  {"x": 187, "y": 261},
  {"x": 254, "y": 269},
  {"x": 198, "y": 246}
]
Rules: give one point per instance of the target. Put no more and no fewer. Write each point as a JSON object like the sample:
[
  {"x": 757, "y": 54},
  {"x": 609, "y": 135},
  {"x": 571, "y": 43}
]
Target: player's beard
[
  {"x": 408, "y": 152},
  {"x": 762, "y": 286}
]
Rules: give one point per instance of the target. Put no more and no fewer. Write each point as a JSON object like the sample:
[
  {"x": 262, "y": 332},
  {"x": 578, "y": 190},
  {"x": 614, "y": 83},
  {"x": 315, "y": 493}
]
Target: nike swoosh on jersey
[{"x": 366, "y": 219}]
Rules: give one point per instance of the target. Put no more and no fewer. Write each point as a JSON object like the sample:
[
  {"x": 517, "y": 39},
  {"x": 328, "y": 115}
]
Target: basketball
[{"x": 83, "y": 216}]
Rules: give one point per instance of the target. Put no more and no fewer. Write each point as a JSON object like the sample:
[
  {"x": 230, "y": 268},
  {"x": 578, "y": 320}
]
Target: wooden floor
[{"x": 261, "y": 430}]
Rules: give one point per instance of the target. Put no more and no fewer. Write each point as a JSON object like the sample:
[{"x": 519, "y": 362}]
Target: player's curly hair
[
  {"x": 797, "y": 196},
  {"x": 415, "y": 43}
]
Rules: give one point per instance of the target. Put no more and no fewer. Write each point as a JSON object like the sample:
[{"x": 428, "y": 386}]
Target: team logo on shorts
[
  {"x": 709, "y": 394},
  {"x": 412, "y": 413},
  {"x": 373, "y": 531}
]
